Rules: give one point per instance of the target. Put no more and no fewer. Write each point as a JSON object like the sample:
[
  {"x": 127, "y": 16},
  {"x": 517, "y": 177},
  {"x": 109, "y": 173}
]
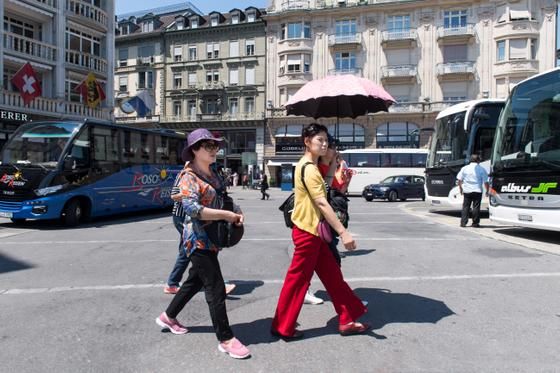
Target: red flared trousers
[{"x": 311, "y": 254}]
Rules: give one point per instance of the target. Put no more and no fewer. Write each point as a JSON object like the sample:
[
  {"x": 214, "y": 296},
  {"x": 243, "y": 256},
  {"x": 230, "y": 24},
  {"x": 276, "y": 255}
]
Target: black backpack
[{"x": 337, "y": 200}]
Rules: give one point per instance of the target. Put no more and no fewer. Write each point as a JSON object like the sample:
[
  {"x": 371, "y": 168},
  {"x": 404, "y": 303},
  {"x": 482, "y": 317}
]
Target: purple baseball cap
[{"x": 196, "y": 136}]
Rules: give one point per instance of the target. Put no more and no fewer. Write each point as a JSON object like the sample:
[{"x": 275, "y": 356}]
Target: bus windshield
[
  {"x": 449, "y": 141},
  {"x": 38, "y": 144},
  {"x": 528, "y": 136}
]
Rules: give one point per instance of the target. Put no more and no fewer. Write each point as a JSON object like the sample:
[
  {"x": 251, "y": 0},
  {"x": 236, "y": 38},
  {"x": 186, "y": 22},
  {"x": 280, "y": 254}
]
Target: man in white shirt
[{"x": 470, "y": 180}]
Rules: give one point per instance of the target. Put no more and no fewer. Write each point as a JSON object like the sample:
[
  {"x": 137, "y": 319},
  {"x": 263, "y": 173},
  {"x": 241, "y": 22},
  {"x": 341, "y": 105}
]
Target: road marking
[
  {"x": 287, "y": 238},
  {"x": 62, "y": 289}
]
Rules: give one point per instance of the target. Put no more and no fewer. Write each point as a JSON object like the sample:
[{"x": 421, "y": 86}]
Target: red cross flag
[{"x": 27, "y": 83}]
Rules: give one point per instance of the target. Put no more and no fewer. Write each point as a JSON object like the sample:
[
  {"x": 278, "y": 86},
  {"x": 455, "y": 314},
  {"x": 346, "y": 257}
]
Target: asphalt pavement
[{"x": 441, "y": 298}]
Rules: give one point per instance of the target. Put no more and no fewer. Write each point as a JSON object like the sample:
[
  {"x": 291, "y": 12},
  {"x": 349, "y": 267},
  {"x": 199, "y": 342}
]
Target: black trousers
[
  {"x": 205, "y": 273},
  {"x": 468, "y": 199}
]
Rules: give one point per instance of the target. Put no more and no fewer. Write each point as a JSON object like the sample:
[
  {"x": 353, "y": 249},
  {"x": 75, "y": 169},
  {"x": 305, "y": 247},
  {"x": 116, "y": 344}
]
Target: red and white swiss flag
[{"x": 27, "y": 83}]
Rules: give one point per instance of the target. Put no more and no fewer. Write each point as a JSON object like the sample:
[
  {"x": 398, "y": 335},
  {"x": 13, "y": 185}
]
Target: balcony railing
[
  {"x": 398, "y": 71},
  {"x": 407, "y": 107},
  {"x": 209, "y": 116},
  {"x": 54, "y": 107},
  {"x": 455, "y": 68},
  {"x": 49, "y": 3},
  {"x": 295, "y": 5},
  {"x": 400, "y": 35},
  {"x": 210, "y": 86},
  {"x": 354, "y": 71},
  {"x": 86, "y": 61},
  {"x": 29, "y": 47},
  {"x": 134, "y": 119},
  {"x": 444, "y": 32},
  {"x": 86, "y": 10},
  {"x": 345, "y": 39}
]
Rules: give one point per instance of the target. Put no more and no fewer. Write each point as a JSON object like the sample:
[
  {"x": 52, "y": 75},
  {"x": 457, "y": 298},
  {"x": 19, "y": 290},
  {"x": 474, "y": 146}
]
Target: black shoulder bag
[{"x": 287, "y": 207}]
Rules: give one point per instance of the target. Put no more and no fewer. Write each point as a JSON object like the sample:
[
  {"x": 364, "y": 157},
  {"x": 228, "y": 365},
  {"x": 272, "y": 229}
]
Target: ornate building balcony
[
  {"x": 454, "y": 35},
  {"x": 514, "y": 29},
  {"x": 352, "y": 40},
  {"x": 399, "y": 73},
  {"x": 354, "y": 71},
  {"x": 86, "y": 61},
  {"x": 399, "y": 39},
  {"x": 86, "y": 13},
  {"x": 455, "y": 70},
  {"x": 294, "y": 5},
  {"x": 29, "y": 48},
  {"x": 407, "y": 107},
  {"x": 526, "y": 67},
  {"x": 45, "y": 106}
]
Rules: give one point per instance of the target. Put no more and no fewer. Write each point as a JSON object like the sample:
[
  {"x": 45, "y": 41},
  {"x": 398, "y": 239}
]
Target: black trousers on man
[
  {"x": 205, "y": 273},
  {"x": 468, "y": 199}
]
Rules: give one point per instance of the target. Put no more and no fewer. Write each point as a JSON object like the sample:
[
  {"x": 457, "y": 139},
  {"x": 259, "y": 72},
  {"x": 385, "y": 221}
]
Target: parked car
[{"x": 396, "y": 187}]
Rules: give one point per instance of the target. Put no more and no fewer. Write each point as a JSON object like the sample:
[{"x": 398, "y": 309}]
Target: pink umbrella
[{"x": 339, "y": 96}]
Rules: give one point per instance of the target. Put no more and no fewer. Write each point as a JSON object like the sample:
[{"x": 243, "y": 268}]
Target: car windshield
[
  {"x": 38, "y": 144},
  {"x": 528, "y": 136}
]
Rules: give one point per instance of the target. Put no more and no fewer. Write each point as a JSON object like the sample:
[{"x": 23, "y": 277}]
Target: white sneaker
[
  {"x": 312, "y": 299},
  {"x": 365, "y": 303}
]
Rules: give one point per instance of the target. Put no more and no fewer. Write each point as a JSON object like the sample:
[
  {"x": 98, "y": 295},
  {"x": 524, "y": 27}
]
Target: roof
[{"x": 465, "y": 106}]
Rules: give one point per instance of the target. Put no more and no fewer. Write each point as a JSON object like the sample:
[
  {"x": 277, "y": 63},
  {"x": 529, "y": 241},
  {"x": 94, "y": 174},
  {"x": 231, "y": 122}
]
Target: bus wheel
[
  {"x": 392, "y": 196},
  {"x": 17, "y": 221},
  {"x": 73, "y": 213}
]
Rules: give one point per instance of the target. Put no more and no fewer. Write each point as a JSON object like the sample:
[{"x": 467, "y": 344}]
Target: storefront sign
[
  {"x": 14, "y": 116},
  {"x": 289, "y": 148}
]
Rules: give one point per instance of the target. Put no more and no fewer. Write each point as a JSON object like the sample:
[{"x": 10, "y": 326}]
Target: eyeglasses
[{"x": 210, "y": 146}]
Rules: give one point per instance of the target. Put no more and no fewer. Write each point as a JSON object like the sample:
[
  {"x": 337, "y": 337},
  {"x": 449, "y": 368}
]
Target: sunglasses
[{"x": 210, "y": 146}]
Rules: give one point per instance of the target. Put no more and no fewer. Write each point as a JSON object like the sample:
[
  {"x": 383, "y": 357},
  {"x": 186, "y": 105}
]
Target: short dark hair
[
  {"x": 312, "y": 129},
  {"x": 475, "y": 158}
]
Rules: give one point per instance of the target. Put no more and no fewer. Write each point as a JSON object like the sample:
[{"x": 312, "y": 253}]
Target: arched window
[
  {"x": 348, "y": 134},
  {"x": 397, "y": 134}
]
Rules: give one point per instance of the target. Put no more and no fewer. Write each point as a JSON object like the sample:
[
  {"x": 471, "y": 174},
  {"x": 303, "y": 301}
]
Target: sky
[{"x": 206, "y": 6}]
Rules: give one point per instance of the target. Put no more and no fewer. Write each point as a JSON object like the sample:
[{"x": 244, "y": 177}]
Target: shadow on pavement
[
  {"x": 8, "y": 264},
  {"x": 358, "y": 252},
  {"x": 544, "y": 236},
  {"x": 243, "y": 287},
  {"x": 386, "y": 307}
]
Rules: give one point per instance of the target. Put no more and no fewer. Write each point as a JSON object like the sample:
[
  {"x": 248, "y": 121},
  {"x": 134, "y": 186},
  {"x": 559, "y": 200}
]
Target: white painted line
[{"x": 280, "y": 281}]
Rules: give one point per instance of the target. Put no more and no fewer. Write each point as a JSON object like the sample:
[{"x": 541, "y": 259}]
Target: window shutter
[{"x": 517, "y": 49}]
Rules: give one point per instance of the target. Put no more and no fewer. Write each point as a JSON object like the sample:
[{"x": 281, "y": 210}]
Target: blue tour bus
[{"x": 77, "y": 170}]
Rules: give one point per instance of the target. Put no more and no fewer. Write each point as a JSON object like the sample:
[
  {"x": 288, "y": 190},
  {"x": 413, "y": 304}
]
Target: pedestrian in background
[
  {"x": 199, "y": 188},
  {"x": 470, "y": 179},
  {"x": 235, "y": 177},
  {"x": 264, "y": 187},
  {"x": 311, "y": 253},
  {"x": 244, "y": 181}
]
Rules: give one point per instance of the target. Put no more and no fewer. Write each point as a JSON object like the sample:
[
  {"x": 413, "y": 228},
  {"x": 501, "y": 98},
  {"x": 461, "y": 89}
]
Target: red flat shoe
[
  {"x": 298, "y": 334},
  {"x": 353, "y": 328}
]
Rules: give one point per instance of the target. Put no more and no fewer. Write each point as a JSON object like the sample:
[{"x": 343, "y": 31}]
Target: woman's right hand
[
  {"x": 348, "y": 241},
  {"x": 234, "y": 218}
]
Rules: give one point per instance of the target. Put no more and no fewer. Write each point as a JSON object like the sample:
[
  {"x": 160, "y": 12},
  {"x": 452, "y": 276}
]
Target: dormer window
[
  {"x": 235, "y": 19},
  {"x": 214, "y": 21},
  {"x": 251, "y": 17},
  {"x": 180, "y": 24},
  {"x": 194, "y": 23},
  {"x": 148, "y": 26},
  {"x": 124, "y": 29}
]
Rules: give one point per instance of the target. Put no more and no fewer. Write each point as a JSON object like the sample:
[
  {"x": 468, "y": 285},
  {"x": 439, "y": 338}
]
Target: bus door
[{"x": 105, "y": 167}]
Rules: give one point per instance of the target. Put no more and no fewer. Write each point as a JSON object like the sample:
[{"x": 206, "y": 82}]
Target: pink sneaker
[
  {"x": 235, "y": 349},
  {"x": 170, "y": 289},
  {"x": 170, "y": 324}
]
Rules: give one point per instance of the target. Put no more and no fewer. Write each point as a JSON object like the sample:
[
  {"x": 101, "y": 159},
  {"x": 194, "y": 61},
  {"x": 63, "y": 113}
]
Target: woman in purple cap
[{"x": 198, "y": 188}]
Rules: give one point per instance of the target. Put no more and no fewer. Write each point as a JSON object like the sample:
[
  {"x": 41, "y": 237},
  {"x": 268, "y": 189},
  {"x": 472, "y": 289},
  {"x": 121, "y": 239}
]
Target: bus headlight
[{"x": 48, "y": 190}]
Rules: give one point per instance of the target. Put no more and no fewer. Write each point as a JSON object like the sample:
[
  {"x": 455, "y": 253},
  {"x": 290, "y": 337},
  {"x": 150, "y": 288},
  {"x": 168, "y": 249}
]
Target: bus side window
[
  {"x": 147, "y": 148},
  {"x": 105, "y": 149},
  {"x": 80, "y": 150},
  {"x": 162, "y": 149}
]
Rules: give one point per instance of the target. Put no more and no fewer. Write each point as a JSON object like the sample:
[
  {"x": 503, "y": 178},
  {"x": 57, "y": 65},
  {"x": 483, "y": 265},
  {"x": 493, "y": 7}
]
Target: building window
[
  {"x": 517, "y": 49},
  {"x": 400, "y": 134},
  {"x": 294, "y": 63},
  {"x": 177, "y": 80},
  {"x": 194, "y": 23},
  {"x": 123, "y": 57},
  {"x": 250, "y": 75},
  {"x": 211, "y": 106},
  {"x": 348, "y": 134},
  {"x": 233, "y": 76},
  {"x": 78, "y": 41},
  {"x": 251, "y": 17},
  {"x": 455, "y": 53},
  {"x": 297, "y": 30},
  {"x": 192, "y": 53},
  {"x": 177, "y": 108},
  {"x": 179, "y": 23},
  {"x": 191, "y": 109},
  {"x": 501, "y": 50},
  {"x": 192, "y": 79},
  {"x": 250, "y": 48},
  {"x": 234, "y": 48},
  {"x": 235, "y": 19},
  {"x": 123, "y": 83},
  {"x": 145, "y": 80},
  {"x": 212, "y": 50},
  {"x": 214, "y": 21},
  {"x": 398, "y": 23},
  {"x": 455, "y": 18},
  {"x": 454, "y": 98},
  {"x": 148, "y": 26},
  {"x": 124, "y": 30},
  {"x": 346, "y": 27},
  {"x": 146, "y": 51},
  {"x": 534, "y": 49},
  {"x": 250, "y": 105},
  {"x": 233, "y": 106},
  {"x": 345, "y": 61},
  {"x": 178, "y": 54}
]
